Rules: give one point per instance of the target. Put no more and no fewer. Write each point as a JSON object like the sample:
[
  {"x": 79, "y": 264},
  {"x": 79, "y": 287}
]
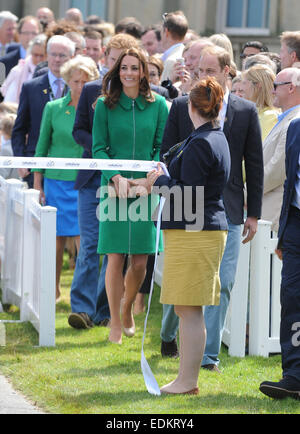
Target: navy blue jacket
[
  {"x": 11, "y": 57},
  {"x": 243, "y": 133},
  {"x": 202, "y": 160},
  {"x": 83, "y": 125},
  {"x": 34, "y": 96},
  {"x": 291, "y": 167}
]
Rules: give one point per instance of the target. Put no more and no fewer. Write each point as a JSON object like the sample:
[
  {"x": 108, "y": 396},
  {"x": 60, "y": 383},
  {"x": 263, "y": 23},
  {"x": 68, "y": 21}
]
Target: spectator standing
[
  {"x": 129, "y": 112},
  {"x": 251, "y": 48},
  {"x": 24, "y": 71},
  {"x": 6, "y": 125},
  {"x": 290, "y": 49},
  {"x": 28, "y": 28},
  {"x": 94, "y": 49},
  {"x": 8, "y": 26},
  {"x": 236, "y": 87},
  {"x": 288, "y": 249},
  {"x": 151, "y": 40},
  {"x": 45, "y": 16},
  {"x": 156, "y": 67},
  {"x": 257, "y": 85},
  {"x": 34, "y": 96},
  {"x": 287, "y": 98},
  {"x": 55, "y": 140},
  {"x": 74, "y": 15},
  {"x": 175, "y": 26},
  {"x": 131, "y": 26}
]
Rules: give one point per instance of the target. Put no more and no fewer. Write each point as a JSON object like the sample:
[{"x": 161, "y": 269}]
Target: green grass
[{"x": 85, "y": 373}]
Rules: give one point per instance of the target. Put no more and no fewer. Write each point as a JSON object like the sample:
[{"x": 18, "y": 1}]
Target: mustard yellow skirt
[{"x": 191, "y": 267}]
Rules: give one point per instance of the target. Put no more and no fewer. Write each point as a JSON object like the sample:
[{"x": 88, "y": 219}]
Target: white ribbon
[
  {"x": 78, "y": 163},
  {"x": 149, "y": 378},
  {"x": 95, "y": 164}
]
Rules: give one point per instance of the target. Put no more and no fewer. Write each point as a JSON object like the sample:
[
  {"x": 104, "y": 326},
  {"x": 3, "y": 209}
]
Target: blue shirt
[
  {"x": 53, "y": 85},
  {"x": 23, "y": 52},
  {"x": 283, "y": 115}
]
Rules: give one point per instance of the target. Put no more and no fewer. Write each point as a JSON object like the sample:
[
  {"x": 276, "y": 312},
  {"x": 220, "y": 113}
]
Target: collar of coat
[{"x": 126, "y": 103}]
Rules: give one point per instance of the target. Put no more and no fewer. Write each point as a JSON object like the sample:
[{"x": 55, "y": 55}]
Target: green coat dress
[{"x": 132, "y": 130}]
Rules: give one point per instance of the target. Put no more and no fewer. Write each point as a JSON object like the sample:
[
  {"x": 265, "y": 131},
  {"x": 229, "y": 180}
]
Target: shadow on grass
[{"x": 218, "y": 403}]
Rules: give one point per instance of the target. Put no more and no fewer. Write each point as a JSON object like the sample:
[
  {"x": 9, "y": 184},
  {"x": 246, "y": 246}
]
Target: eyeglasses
[
  {"x": 281, "y": 83},
  {"x": 60, "y": 55},
  {"x": 29, "y": 33},
  {"x": 164, "y": 16}
]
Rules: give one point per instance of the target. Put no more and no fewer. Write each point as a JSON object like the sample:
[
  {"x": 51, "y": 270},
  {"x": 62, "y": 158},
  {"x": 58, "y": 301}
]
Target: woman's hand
[
  {"x": 122, "y": 186},
  {"x": 140, "y": 187},
  {"x": 37, "y": 185},
  {"x": 154, "y": 174}
]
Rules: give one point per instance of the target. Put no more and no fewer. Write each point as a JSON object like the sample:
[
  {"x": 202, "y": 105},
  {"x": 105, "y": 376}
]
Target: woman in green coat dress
[{"x": 128, "y": 124}]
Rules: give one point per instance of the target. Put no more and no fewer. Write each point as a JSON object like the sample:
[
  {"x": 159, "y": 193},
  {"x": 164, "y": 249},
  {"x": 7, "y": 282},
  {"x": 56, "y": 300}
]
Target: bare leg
[
  {"x": 192, "y": 344},
  {"x": 114, "y": 282},
  {"x": 134, "y": 278},
  {"x": 139, "y": 304},
  {"x": 60, "y": 246},
  {"x": 77, "y": 243}
]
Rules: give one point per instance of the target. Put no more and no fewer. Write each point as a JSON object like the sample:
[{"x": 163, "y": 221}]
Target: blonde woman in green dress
[
  {"x": 128, "y": 124},
  {"x": 56, "y": 186}
]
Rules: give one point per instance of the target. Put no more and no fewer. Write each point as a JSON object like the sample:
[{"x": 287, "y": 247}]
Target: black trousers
[{"x": 290, "y": 296}]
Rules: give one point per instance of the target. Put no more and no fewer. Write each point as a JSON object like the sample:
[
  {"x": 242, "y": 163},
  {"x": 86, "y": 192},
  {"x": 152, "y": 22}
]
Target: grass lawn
[{"x": 85, "y": 373}]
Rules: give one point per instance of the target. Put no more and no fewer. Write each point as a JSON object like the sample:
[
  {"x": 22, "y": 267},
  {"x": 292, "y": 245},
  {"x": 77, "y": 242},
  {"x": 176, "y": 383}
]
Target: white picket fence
[
  {"x": 28, "y": 257},
  {"x": 255, "y": 297}
]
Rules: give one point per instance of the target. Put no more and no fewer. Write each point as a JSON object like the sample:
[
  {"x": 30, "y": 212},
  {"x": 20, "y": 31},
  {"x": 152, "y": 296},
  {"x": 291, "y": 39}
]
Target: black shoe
[
  {"x": 211, "y": 367},
  {"x": 169, "y": 349},
  {"x": 80, "y": 321},
  {"x": 288, "y": 387}
]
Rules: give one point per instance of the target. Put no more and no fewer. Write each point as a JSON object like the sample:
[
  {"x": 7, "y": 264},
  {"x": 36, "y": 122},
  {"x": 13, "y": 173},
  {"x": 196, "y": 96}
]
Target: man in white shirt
[{"x": 174, "y": 29}]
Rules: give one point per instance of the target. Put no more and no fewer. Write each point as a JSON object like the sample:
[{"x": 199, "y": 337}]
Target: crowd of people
[{"x": 91, "y": 89}]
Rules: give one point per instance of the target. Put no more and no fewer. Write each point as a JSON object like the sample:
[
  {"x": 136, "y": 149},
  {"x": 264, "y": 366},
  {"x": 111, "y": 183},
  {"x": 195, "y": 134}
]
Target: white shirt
[
  {"x": 222, "y": 114},
  {"x": 167, "y": 53}
]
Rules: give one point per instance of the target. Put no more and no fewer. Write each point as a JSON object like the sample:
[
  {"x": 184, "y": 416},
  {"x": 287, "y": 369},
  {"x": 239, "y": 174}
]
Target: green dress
[{"x": 132, "y": 130}]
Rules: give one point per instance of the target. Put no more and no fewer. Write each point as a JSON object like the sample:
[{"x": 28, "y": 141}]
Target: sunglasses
[
  {"x": 244, "y": 56},
  {"x": 280, "y": 83}
]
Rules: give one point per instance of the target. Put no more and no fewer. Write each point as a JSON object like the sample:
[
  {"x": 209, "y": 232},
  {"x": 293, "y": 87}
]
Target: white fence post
[
  {"x": 48, "y": 279},
  {"x": 28, "y": 257},
  {"x": 39, "y": 264},
  {"x": 264, "y": 289},
  {"x": 234, "y": 333},
  {"x": 12, "y": 242}
]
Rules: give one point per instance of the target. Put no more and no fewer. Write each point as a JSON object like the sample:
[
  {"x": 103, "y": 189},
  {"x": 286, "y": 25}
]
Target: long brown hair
[{"x": 112, "y": 86}]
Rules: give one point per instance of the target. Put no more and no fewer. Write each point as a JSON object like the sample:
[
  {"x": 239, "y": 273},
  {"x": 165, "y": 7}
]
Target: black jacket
[
  {"x": 243, "y": 133},
  {"x": 202, "y": 161}
]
